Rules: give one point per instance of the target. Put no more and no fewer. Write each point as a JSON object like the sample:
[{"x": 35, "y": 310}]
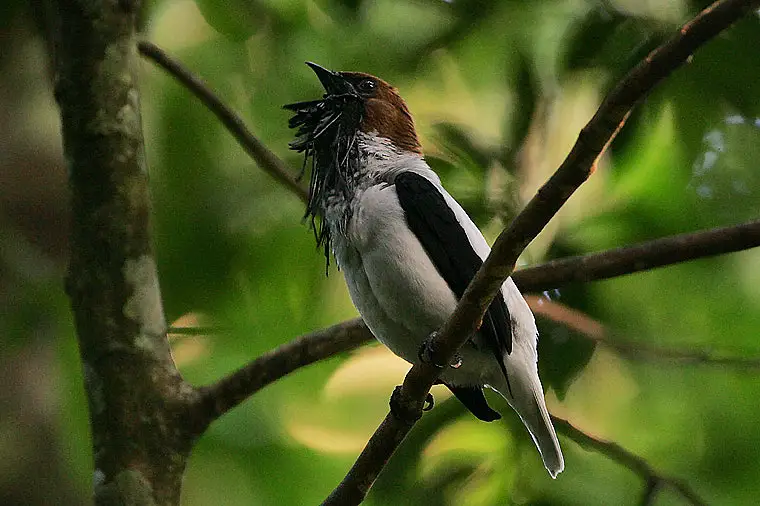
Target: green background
[{"x": 499, "y": 90}]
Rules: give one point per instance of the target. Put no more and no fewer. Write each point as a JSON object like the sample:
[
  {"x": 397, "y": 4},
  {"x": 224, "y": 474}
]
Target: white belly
[
  {"x": 395, "y": 286},
  {"x": 392, "y": 282}
]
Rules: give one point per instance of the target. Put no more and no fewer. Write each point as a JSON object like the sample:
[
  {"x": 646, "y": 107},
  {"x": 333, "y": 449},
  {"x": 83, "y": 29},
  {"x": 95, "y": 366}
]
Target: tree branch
[
  {"x": 266, "y": 159},
  {"x": 500, "y": 263},
  {"x": 220, "y": 397},
  {"x": 638, "y": 465},
  {"x": 639, "y": 257}
]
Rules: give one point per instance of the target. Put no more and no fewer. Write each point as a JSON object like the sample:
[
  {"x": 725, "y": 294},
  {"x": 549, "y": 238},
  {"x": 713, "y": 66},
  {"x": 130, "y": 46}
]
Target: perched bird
[{"x": 408, "y": 250}]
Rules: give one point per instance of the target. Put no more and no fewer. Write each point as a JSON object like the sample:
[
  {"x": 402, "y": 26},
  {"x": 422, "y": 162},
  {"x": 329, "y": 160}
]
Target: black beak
[{"x": 333, "y": 82}]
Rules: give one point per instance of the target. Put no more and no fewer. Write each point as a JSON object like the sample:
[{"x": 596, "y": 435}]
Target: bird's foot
[
  {"x": 405, "y": 411},
  {"x": 427, "y": 352},
  {"x": 429, "y": 402}
]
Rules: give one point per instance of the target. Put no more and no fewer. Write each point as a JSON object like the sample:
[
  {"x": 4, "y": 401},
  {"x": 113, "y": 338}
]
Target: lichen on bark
[{"x": 138, "y": 402}]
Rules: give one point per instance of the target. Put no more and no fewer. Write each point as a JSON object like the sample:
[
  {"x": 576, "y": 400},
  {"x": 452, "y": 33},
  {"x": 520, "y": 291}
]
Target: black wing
[{"x": 447, "y": 245}]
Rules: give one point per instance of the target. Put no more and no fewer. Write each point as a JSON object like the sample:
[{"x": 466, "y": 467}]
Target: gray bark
[{"x": 139, "y": 405}]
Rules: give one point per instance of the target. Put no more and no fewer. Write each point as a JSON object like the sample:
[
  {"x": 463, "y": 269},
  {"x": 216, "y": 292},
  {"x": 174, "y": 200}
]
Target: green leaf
[
  {"x": 612, "y": 40},
  {"x": 562, "y": 351},
  {"x": 526, "y": 88},
  {"x": 235, "y": 19},
  {"x": 562, "y": 355}
]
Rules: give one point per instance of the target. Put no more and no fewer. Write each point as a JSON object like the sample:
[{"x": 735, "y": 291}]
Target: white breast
[{"x": 392, "y": 282}]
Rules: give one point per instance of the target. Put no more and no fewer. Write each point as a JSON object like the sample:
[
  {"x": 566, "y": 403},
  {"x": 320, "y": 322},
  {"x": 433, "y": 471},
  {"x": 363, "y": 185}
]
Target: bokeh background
[{"x": 499, "y": 90}]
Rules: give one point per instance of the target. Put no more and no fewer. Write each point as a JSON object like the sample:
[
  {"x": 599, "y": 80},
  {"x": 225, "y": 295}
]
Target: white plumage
[{"x": 402, "y": 297}]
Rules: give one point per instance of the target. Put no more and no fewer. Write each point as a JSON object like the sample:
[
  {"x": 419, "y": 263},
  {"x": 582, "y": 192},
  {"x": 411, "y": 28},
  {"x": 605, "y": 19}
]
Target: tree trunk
[{"x": 139, "y": 405}]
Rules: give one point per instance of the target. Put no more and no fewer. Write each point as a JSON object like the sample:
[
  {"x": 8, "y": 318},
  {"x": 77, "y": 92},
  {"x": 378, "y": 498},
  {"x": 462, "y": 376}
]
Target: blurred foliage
[{"x": 499, "y": 90}]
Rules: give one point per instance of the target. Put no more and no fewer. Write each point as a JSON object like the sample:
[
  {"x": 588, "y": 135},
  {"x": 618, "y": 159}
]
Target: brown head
[
  {"x": 327, "y": 133},
  {"x": 385, "y": 112}
]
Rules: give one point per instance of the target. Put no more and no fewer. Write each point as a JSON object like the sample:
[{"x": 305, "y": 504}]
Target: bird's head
[
  {"x": 365, "y": 103},
  {"x": 330, "y": 131}
]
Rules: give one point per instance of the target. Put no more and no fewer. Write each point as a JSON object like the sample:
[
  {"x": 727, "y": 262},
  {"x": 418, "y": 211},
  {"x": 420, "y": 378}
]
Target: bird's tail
[{"x": 527, "y": 399}]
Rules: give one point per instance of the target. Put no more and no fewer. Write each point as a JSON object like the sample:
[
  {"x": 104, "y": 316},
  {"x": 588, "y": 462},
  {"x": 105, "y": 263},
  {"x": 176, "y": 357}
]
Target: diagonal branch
[
  {"x": 640, "y": 257},
  {"x": 266, "y": 159},
  {"x": 652, "y": 478},
  {"x": 576, "y": 168}
]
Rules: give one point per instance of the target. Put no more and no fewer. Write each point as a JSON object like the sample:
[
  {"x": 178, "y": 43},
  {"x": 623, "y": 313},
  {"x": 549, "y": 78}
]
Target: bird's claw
[
  {"x": 427, "y": 352},
  {"x": 402, "y": 409},
  {"x": 429, "y": 402}
]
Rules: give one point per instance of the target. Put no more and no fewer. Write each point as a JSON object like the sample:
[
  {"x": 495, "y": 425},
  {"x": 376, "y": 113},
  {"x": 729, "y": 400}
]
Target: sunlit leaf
[{"x": 237, "y": 19}]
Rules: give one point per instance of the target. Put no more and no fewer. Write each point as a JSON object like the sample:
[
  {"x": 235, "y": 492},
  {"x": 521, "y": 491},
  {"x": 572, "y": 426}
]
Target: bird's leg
[{"x": 427, "y": 352}]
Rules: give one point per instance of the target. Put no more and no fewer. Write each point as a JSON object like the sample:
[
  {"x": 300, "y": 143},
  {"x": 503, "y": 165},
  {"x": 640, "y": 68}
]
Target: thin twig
[
  {"x": 266, "y": 159},
  {"x": 637, "y": 464},
  {"x": 639, "y": 257},
  {"x": 592, "y": 140},
  {"x": 639, "y": 351},
  {"x": 196, "y": 331}
]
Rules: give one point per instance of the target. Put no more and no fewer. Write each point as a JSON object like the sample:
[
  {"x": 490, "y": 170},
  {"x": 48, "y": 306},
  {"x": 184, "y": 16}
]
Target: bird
[{"x": 407, "y": 249}]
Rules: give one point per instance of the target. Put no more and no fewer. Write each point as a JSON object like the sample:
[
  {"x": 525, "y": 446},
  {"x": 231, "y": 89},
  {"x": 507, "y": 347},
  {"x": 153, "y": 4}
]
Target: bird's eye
[{"x": 367, "y": 86}]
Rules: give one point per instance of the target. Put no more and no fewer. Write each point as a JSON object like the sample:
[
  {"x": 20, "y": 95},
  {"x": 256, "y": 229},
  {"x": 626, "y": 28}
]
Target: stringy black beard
[{"x": 327, "y": 131}]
